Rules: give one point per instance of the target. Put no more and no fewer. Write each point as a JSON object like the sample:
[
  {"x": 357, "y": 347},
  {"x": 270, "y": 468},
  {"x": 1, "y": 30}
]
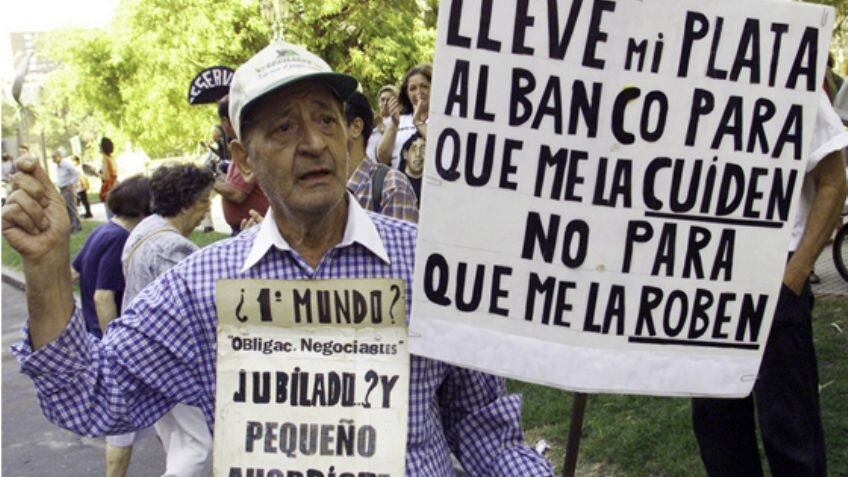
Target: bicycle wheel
[{"x": 840, "y": 251}]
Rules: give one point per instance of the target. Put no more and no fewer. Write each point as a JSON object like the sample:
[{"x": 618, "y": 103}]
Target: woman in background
[{"x": 408, "y": 112}]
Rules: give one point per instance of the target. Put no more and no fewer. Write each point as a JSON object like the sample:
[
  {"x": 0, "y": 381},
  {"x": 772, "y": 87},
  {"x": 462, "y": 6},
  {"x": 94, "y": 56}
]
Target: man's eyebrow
[{"x": 321, "y": 102}]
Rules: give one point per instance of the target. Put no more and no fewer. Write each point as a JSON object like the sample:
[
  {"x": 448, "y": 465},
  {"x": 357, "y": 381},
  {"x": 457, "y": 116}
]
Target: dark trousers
[
  {"x": 786, "y": 396},
  {"x": 82, "y": 196}
]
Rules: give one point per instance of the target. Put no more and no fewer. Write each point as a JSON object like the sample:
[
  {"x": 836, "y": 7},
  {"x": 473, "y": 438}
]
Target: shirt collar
[{"x": 359, "y": 229}]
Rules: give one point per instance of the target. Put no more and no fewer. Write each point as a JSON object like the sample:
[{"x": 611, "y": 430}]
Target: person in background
[
  {"x": 97, "y": 266},
  {"x": 180, "y": 201},
  {"x": 108, "y": 171},
  {"x": 82, "y": 187},
  {"x": 409, "y": 114},
  {"x": 786, "y": 392},
  {"x": 412, "y": 161},
  {"x": 67, "y": 178},
  {"x": 375, "y": 186},
  {"x": 217, "y": 162},
  {"x": 238, "y": 196},
  {"x": 386, "y": 93}
]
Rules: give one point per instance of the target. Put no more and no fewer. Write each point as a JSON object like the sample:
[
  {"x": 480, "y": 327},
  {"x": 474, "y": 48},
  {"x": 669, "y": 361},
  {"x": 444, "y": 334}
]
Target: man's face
[
  {"x": 296, "y": 146},
  {"x": 57, "y": 158},
  {"x": 385, "y": 96}
]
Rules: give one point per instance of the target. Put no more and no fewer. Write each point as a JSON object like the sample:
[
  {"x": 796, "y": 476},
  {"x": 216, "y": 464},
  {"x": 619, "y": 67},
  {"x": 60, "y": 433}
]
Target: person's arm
[
  {"x": 829, "y": 179},
  {"x": 399, "y": 200},
  {"x": 155, "y": 356},
  {"x": 37, "y": 226},
  {"x": 387, "y": 142},
  {"x": 483, "y": 426},
  {"x": 229, "y": 192},
  {"x": 420, "y": 116},
  {"x": 104, "y": 306}
]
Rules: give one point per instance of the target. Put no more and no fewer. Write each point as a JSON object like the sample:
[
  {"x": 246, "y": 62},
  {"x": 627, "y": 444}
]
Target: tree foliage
[
  {"x": 131, "y": 79},
  {"x": 839, "y": 44}
]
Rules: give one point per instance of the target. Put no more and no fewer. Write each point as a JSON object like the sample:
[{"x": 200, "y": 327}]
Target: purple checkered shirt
[
  {"x": 398, "y": 198},
  {"x": 162, "y": 352}
]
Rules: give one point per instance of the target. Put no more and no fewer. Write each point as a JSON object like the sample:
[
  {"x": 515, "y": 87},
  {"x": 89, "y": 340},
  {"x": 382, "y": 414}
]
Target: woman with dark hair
[
  {"x": 180, "y": 200},
  {"x": 102, "y": 285},
  {"x": 108, "y": 172},
  {"x": 98, "y": 262},
  {"x": 409, "y": 114}
]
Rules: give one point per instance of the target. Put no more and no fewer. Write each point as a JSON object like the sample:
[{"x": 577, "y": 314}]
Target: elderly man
[
  {"x": 286, "y": 109},
  {"x": 66, "y": 180}
]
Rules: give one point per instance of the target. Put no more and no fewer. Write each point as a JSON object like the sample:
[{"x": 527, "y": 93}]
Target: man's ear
[
  {"x": 241, "y": 159},
  {"x": 354, "y": 129}
]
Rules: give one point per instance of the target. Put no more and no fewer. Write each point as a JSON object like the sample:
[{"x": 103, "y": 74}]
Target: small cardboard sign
[{"x": 312, "y": 378}]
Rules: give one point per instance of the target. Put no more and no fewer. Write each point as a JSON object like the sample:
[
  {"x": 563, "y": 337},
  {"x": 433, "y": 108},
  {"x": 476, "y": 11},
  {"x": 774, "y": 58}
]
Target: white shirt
[
  {"x": 828, "y": 135},
  {"x": 66, "y": 174}
]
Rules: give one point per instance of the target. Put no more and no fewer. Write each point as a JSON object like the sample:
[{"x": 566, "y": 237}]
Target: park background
[{"x": 127, "y": 75}]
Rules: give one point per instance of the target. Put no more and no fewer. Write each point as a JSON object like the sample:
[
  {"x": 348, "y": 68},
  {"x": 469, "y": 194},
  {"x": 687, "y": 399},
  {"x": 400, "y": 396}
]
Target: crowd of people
[{"x": 301, "y": 151}]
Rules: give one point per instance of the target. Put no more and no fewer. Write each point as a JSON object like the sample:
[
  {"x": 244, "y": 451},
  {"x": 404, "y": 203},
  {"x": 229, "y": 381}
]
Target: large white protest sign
[
  {"x": 312, "y": 378},
  {"x": 610, "y": 186}
]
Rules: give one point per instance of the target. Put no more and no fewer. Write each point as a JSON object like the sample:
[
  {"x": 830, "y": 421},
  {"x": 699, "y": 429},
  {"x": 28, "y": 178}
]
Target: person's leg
[
  {"x": 726, "y": 437},
  {"x": 83, "y": 198},
  {"x": 187, "y": 442},
  {"x": 71, "y": 204},
  {"x": 118, "y": 454},
  {"x": 787, "y": 391}
]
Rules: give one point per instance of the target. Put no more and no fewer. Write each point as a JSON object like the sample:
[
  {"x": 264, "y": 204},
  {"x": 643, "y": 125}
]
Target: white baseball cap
[{"x": 277, "y": 65}]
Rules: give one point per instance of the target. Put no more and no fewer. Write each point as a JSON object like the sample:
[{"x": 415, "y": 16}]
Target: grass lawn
[{"x": 641, "y": 436}]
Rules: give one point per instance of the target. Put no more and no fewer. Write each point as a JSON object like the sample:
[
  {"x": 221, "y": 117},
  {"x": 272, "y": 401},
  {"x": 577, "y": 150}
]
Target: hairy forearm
[
  {"x": 387, "y": 145},
  {"x": 830, "y": 195},
  {"x": 422, "y": 129},
  {"x": 49, "y": 295}
]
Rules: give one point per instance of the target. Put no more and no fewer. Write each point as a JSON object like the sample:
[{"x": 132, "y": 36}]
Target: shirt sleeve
[
  {"x": 110, "y": 274},
  {"x": 829, "y": 134},
  {"x": 483, "y": 426},
  {"x": 399, "y": 199},
  {"x": 146, "y": 363}
]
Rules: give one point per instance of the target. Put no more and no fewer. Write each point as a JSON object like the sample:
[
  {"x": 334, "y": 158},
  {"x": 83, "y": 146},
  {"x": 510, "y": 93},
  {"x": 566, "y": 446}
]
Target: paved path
[{"x": 33, "y": 447}]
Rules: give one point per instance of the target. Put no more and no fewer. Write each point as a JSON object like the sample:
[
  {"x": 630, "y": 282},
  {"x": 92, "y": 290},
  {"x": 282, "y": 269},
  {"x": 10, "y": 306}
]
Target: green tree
[
  {"x": 10, "y": 118},
  {"x": 132, "y": 78},
  {"x": 374, "y": 41},
  {"x": 839, "y": 44}
]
